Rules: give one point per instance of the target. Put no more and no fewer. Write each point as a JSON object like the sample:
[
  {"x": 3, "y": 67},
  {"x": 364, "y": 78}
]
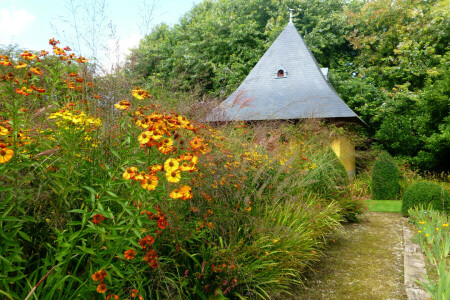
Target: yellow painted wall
[{"x": 345, "y": 151}]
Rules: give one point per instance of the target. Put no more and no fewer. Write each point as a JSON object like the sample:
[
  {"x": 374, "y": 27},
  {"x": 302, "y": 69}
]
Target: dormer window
[{"x": 281, "y": 72}]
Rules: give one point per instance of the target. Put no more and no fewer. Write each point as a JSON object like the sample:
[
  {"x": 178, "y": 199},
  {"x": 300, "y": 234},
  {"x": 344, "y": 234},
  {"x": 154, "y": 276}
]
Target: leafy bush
[
  {"x": 385, "y": 178},
  {"x": 425, "y": 193}
]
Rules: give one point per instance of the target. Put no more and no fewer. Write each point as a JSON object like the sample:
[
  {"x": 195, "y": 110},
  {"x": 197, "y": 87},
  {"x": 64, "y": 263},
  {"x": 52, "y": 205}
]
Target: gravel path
[{"x": 365, "y": 261}]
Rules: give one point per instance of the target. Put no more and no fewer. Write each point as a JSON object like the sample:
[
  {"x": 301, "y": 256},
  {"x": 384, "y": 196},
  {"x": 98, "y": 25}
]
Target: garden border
[{"x": 414, "y": 266}]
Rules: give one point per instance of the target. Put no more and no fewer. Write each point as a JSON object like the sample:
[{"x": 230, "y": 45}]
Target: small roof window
[{"x": 281, "y": 73}]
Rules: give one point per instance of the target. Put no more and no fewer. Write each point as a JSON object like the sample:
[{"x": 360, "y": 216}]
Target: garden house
[{"x": 288, "y": 84}]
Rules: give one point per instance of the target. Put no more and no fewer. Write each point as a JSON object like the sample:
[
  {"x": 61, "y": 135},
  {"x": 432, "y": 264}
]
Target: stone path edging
[{"x": 414, "y": 265}]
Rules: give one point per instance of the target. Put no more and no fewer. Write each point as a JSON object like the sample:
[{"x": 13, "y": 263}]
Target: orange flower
[
  {"x": 24, "y": 91},
  {"x": 166, "y": 146},
  {"x": 196, "y": 142},
  {"x": 150, "y": 183},
  {"x": 150, "y": 257},
  {"x": 43, "y": 53},
  {"x": 175, "y": 194},
  {"x": 73, "y": 74},
  {"x": 36, "y": 71},
  {"x": 99, "y": 275},
  {"x": 135, "y": 293},
  {"x": 101, "y": 288},
  {"x": 140, "y": 176},
  {"x": 96, "y": 276},
  {"x": 97, "y": 219},
  {"x": 129, "y": 173},
  {"x": 4, "y": 60},
  {"x": 28, "y": 55},
  {"x": 112, "y": 296},
  {"x": 186, "y": 192},
  {"x": 82, "y": 59},
  {"x": 20, "y": 65},
  {"x": 53, "y": 42},
  {"x": 162, "y": 223},
  {"x": 124, "y": 104},
  {"x": 129, "y": 254},
  {"x": 146, "y": 242},
  {"x": 155, "y": 168}
]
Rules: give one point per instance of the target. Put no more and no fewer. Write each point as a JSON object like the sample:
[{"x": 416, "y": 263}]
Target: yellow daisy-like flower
[
  {"x": 36, "y": 71},
  {"x": 20, "y": 65},
  {"x": 144, "y": 137},
  {"x": 154, "y": 135},
  {"x": 175, "y": 194},
  {"x": 150, "y": 182},
  {"x": 166, "y": 145},
  {"x": 171, "y": 165},
  {"x": 3, "y": 131},
  {"x": 124, "y": 104},
  {"x": 140, "y": 176},
  {"x": 155, "y": 168},
  {"x": 5, "y": 155},
  {"x": 129, "y": 173},
  {"x": 186, "y": 192},
  {"x": 174, "y": 176},
  {"x": 185, "y": 167}
]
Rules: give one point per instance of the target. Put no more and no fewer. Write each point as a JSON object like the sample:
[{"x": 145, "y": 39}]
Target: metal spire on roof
[{"x": 290, "y": 14}]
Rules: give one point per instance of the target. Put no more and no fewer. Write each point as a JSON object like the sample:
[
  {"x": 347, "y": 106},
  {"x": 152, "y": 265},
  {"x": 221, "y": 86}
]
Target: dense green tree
[
  {"x": 217, "y": 43},
  {"x": 402, "y": 70}
]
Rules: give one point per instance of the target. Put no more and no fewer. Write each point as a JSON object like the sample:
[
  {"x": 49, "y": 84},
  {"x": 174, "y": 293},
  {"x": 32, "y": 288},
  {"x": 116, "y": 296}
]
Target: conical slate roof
[{"x": 300, "y": 92}]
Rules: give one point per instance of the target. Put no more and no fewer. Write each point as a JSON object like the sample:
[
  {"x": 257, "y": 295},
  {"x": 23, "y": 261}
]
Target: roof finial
[{"x": 290, "y": 14}]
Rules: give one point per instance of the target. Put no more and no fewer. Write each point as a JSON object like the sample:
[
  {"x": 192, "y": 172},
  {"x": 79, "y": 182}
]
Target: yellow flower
[
  {"x": 426, "y": 234},
  {"x": 444, "y": 225},
  {"x": 150, "y": 183},
  {"x": 420, "y": 231},
  {"x": 175, "y": 194},
  {"x": 140, "y": 176},
  {"x": 171, "y": 165},
  {"x": 186, "y": 192},
  {"x": 3, "y": 131},
  {"x": 166, "y": 146},
  {"x": 5, "y": 154},
  {"x": 174, "y": 176},
  {"x": 124, "y": 104},
  {"x": 20, "y": 65},
  {"x": 144, "y": 137},
  {"x": 437, "y": 228},
  {"x": 129, "y": 173},
  {"x": 422, "y": 222}
]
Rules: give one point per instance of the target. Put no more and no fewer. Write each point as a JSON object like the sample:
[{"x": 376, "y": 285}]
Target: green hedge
[
  {"x": 385, "y": 178},
  {"x": 426, "y": 193}
]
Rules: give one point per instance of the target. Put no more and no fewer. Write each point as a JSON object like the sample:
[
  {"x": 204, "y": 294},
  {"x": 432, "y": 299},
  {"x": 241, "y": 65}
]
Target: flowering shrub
[{"x": 155, "y": 205}]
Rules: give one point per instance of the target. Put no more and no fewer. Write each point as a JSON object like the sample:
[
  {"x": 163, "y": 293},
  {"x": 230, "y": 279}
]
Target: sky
[{"x": 105, "y": 29}]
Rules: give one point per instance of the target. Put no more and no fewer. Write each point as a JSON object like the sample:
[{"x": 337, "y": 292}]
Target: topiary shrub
[
  {"x": 385, "y": 178},
  {"x": 426, "y": 193}
]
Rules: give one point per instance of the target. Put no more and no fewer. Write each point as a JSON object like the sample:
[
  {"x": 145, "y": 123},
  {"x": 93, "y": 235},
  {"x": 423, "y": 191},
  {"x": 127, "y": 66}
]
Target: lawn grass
[{"x": 384, "y": 205}]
